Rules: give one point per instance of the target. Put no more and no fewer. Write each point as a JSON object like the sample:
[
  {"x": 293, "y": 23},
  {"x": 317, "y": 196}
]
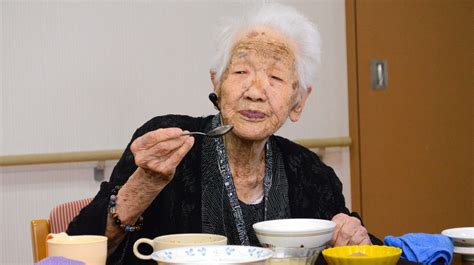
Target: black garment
[
  {"x": 314, "y": 191},
  {"x": 253, "y": 213},
  {"x": 217, "y": 213}
]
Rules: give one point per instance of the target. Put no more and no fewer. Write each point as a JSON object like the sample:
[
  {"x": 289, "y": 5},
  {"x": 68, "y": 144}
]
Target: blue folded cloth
[
  {"x": 58, "y": 261},
  {"x": 423, "y": 248}
]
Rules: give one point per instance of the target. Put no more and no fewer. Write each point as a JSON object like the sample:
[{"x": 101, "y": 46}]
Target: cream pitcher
[{"x": 90, "y": 249}]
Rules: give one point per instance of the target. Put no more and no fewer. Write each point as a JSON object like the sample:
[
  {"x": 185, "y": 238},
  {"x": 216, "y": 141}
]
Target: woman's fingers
[
  {"x": 360, "y": 237},
  {"x": 346, "y": 232},
  {"x": 161, "y": 151},
  {"x": 165, "y": 148},
  {"x": 152, "y": 138},
  {"x": 176, "y": 156},
  {"x": 339, "y": 219},
  {"x": 349, "y": 231},
  {"x": 147, "y": 158}
]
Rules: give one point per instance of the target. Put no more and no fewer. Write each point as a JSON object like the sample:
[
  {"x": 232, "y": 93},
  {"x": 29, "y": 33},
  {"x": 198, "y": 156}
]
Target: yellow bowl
[{"x": 362, "y": 255}]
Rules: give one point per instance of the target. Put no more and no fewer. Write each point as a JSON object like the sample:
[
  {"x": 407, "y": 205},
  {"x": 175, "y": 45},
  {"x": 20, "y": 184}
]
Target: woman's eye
[
  {"x": 277, "y": 78},
  {"x": 239, "y": 72}
]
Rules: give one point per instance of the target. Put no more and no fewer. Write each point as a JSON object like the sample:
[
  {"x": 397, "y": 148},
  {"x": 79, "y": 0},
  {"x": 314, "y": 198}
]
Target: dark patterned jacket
[{"x": 314, "y": 191}]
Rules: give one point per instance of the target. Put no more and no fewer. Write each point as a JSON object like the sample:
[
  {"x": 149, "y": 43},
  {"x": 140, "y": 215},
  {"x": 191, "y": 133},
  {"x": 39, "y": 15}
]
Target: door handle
[{"x": 378, "y": 74}]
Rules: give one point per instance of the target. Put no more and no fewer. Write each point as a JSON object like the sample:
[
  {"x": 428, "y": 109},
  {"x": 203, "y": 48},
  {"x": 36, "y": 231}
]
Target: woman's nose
[{"x": 257, "y": 88}]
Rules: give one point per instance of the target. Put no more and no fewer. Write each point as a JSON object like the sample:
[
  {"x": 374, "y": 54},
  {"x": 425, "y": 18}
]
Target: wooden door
[{"x": 412, "y": 157}]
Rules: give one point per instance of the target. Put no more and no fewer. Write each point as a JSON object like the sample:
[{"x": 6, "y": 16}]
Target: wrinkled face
[{"x": 257, "y": 91}]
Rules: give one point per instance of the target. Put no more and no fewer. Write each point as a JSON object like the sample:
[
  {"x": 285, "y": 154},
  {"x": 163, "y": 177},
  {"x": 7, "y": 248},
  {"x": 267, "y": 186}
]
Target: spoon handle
[{"x": 191, "y": 133}]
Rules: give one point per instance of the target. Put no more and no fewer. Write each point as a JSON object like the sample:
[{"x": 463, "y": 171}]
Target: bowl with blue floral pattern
[{"x": 213, "y": 255}]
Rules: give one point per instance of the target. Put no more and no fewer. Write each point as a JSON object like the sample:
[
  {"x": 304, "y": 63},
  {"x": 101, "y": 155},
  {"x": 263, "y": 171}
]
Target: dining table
[{"x": 321, "y": 261}]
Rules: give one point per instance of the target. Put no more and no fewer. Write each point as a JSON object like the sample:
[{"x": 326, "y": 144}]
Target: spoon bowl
[{"x": 216, "y": 132}]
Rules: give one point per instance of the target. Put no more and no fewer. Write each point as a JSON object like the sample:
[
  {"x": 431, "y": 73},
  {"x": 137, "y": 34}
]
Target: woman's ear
[
  {"x": 214, "y": 80},
  {"x": 296, "y": 111}
]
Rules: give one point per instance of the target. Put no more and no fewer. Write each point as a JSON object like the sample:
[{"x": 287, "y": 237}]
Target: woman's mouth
[{"x": 252, "y": 114}]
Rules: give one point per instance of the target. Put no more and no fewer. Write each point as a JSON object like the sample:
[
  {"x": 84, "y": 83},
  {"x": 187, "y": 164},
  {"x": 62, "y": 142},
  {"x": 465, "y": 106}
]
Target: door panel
[{"x": 415, "y": 138}]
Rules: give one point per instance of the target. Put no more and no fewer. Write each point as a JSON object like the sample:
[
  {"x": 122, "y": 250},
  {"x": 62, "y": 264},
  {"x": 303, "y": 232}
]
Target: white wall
[
  {"x": 2, "y": 127},
  {"x": 83, "y": 75},
  {"x": 80, "y": 76}
]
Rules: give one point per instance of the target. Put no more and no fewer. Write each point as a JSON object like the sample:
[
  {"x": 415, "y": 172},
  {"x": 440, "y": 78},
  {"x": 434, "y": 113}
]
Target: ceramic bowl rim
[
  {"x": 454, "y": 233},
  {"x": 267, "y": 256},
  {"x": 261, "y": 228},
  {"x": 397, "y": 252},
  {"x": 216, "y": 238},
  {"x": 78, "y": 240}
]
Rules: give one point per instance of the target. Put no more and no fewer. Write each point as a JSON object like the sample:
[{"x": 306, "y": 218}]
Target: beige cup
[
  {"x": 89, "y": 249},
  {"x": 178, "y": 240}
]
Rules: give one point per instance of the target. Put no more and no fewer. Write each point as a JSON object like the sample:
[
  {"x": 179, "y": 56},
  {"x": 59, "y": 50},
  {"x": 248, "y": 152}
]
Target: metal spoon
[{"x": 216, "y": 132}]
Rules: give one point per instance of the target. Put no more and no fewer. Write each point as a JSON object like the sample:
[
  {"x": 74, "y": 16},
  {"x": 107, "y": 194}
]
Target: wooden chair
[{"x": 59, "y": 218}]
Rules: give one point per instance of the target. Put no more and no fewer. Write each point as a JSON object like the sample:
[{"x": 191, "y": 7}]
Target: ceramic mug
[
  {"x": 178, "y": 240},
  {"x": 92, "y": 250}
]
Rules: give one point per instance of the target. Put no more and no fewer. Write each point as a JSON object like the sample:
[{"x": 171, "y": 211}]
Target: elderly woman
[{"x": 167, "y": 182}]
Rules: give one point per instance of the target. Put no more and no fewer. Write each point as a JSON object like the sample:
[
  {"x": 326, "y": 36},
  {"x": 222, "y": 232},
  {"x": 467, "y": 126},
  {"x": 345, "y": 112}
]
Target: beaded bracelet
[{"x": 112, "y": 203}]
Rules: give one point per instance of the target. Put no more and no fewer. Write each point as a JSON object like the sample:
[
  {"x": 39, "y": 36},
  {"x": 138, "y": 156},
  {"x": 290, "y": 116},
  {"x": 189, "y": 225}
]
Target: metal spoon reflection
[{"x": 216, "y": 132}]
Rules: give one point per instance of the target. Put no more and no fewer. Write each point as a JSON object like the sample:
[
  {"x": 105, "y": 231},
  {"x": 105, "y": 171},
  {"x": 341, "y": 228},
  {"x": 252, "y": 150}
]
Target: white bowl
[
  {"x": 294, "y": 256},
  {"x": 294, "y": 233},
  {"x": 463, "y": 240},
  {"x": 463, "y": 235},
  {"x": 213, "y": 255}
]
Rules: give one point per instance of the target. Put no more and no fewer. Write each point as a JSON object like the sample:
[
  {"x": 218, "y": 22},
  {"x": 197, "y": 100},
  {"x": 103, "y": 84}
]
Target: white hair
[{"x": 287, "y": 21}]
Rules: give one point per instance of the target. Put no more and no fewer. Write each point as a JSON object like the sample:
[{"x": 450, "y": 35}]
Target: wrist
[
  {"x": 150, "y": 179},
  {"x": 136, "y": 195},
  {"x": 124, "y": 224}
]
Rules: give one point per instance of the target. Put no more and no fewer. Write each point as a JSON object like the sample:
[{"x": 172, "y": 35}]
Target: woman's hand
[
  {"x": 349, "y": 231},
  {"x": 159, "y": 152}
]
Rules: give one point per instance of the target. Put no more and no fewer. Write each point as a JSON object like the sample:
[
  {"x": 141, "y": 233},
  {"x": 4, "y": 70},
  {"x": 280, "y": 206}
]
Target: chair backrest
[
  {"x": 59, "y": 218},
  {"x": 61, "y": 215}
]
